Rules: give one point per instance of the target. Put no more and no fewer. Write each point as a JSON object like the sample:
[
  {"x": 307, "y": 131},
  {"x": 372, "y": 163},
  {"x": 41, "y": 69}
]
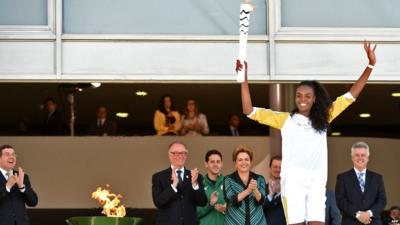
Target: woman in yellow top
[
  {"x": 304, "y": 142},
  {"x": 167, "y": 121}
]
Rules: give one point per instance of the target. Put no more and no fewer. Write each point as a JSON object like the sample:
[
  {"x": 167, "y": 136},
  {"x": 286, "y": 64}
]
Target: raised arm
[
  {"x": 358, "y": 86},
  {"x": 246, "y": 98}
]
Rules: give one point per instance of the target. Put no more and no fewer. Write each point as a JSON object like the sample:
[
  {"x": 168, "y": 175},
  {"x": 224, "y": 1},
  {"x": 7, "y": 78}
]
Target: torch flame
[{"x": 109, "y": 201}]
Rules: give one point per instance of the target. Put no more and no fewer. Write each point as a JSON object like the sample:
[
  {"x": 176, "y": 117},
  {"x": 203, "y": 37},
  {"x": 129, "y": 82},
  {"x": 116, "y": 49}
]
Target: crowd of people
[
  {"x": 183, "y": 196},
  {"x": 167, "y": 121}
]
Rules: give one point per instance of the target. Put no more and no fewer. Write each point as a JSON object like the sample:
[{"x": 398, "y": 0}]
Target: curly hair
[{"x": 319, "y": 113}]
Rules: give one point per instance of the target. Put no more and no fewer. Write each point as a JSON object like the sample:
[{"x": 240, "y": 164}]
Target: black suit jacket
[
  {"x": 273, "y": 210},
  {"x": 54, "y": 125},
  {"x": 12, "y": 204},
  {"x": 176, "y": 208},
  {"x": 109, "y": 128},
  {"x": 350, "y": 199},
  {"x": 228, "y": 132}
]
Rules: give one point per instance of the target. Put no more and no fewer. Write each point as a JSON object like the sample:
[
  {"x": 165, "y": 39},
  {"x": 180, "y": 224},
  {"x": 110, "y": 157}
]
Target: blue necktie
[
  {"x": 361, "y": 180},
  {"x": 180, "y": 183}
]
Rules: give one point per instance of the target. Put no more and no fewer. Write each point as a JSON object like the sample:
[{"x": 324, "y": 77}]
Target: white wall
[{"x": 32, "y": 53}]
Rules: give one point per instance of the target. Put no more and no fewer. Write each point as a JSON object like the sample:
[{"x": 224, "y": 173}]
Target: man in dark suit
[
  {"x": 15, "y": 190},
  {"x": 273, "y": 208},
  {"x": 177, "y": 191},
  {"x": 103, "y": 126},
  {"x": 360, "y": 193},
  {"x": 233, "y": 128},
  {"x": 54, "y": 121}
]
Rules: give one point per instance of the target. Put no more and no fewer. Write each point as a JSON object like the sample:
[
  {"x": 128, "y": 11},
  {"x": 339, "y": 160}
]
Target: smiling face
[
  {"x": 395, "y": 214},
  {"x": 360, "y": 158},
  {"x": 214, "y": 164},
  {"x": 276, "y": 169},
  {"x": 177, "y": 155},
  {"x": 304, "y": 99},
  {"x": 8, "y": 159},
  {"x": 243, "y": 162}
]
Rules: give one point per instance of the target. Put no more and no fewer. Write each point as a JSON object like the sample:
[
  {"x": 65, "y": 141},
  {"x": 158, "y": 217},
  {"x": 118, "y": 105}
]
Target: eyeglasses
[
  {"x": 9, "y": 155},
  {"x": 178, "y": 153}
]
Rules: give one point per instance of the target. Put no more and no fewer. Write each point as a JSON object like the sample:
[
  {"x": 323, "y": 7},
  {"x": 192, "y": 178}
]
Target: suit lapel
[
  {"x": 2, "y": 178},
  {"x": 187, "y": 179},
  {"x": 168, "y": 175},
  {"x": 368, "y": 179}
]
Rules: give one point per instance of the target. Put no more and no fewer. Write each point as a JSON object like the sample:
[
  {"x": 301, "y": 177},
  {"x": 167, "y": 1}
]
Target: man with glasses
[
  {"x": 177, "y": 191},
  {"x": 15, "y": 190}
]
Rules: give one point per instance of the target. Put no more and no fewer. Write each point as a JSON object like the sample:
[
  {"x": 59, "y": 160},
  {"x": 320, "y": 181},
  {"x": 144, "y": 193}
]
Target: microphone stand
[{"x": 71, "y": 99}]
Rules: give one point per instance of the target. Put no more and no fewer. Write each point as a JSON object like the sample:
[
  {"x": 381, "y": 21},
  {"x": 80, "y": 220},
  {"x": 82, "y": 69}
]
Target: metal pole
[{"x": 70, "y": 99}]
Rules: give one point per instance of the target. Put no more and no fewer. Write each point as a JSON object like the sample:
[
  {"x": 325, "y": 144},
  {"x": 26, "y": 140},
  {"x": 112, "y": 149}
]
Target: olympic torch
[{"x": 244, "y": 24}]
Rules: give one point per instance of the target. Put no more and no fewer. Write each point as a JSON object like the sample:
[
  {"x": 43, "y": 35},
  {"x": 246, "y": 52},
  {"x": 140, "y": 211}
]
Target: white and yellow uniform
[{"x": 304, "y": 160}]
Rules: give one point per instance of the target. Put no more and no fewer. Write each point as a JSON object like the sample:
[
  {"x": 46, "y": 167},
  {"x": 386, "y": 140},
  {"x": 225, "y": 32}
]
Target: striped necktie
[
  {"x": 8, "y": 174},
  {"x": 361, "y": 180}
]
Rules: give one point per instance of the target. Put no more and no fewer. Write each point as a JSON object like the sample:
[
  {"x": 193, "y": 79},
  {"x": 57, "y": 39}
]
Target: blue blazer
[
  {"x": 350, "y": 199},
  {"x": 176, "y": 208},
  {"x": 12, "y": 204},
  {"x": 273, "y": 210}
]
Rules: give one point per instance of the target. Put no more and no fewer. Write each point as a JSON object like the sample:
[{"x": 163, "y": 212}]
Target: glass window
[
  {"x": 188, "y": 17},
  {"x": 23, "y": 12},
  {"x": 341, "y": 13}
]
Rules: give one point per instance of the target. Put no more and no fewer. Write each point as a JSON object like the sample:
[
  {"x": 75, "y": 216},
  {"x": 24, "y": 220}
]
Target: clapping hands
[
  {"x": 253, "y": 185},
  {"x": 17, "y": 178}
]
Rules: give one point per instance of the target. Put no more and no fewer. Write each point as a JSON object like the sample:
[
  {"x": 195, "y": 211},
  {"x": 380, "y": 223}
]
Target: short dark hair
[
  {"x": 277, "y": 157},
  {"x": 232, "y": 115},
  {"x": 101, "y": 106},
  {"x": 50, "y": 99},
  {"x": 212, "y": 152},
  {"x": 4, "y": 147},
  {"x": 394, "y": 208}
]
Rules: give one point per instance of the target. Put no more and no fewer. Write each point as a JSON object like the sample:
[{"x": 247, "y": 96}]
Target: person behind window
[
  {"x": 102, "y": 126},
  {"x": 167, "y": 121},
  {"x": 194, "y": 123}
]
